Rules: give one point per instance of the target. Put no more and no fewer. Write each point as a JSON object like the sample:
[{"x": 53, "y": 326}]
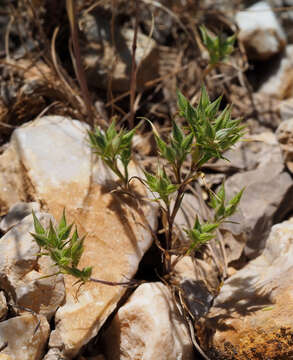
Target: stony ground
[{"x": 62, "y": 75}]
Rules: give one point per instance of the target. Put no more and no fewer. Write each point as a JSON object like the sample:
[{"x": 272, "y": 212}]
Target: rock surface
[
  {"x": 285, "y": 137},
  {"x": 54, "y": 354},
  {"x": 252, "y": 316},
  {"x": 278, "y": 82},
  {"x": 23, "y": 341},
  {"x": 3, "y": 306},
  {"x": 107, "y": 58},
  {"x": 16, "y": 213},
  {"x": 60, "y": 171},
  {"x": 196, "y": 277},
  {"x": 21, "y": 270},
  {"x": 260, "y": 31},
  {"x": 148, "y": 327},
  {"x": 267, "y": 189}
]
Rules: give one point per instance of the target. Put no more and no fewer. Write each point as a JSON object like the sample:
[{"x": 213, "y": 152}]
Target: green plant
[
  {"x": 112, "y": 147},
  {"x": 207, "y": 134},
  {"x": 64, "y": 250},
  {"x": 219, "y": 47}
]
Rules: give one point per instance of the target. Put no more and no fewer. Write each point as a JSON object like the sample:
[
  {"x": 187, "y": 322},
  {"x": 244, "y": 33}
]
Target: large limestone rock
[
  {"x": 267, "y": 190},
  {"x": 25, "y": 341},
  {"x": 60, "y": 171},
  {"x": 252, "y": 318},
  {"x": 21, "y": 270},
  {"x": 285, "y": 137},
  {"x": 148, "y": 327},
  {"x": 260, "y": 31}
]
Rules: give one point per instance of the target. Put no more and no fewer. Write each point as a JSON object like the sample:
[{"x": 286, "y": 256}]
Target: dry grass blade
[{"x": 71, "y": 12}]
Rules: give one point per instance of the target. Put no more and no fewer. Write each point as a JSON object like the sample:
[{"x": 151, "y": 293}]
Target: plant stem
[
  {"x": 170, "y": 219},
  {"x": 133, "y": 70}
]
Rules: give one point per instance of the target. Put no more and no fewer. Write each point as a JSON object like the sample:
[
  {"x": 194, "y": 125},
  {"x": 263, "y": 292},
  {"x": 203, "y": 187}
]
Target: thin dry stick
[
  {"x": 133, "y": 70},
  {"x": 57, "y": 69},
  {"x": 71, "y": 12},
  {"x": 8, "y": 28}
]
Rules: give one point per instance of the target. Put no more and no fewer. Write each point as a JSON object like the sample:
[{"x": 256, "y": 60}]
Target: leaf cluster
[
  {"x": 178, "y": 148},
  {"x": 214, "y": 132},
  {"x": 200, "y": 233},
  {"x": 112, "y": 146},
  {"x": 223, "y": 209},
  {"x": 64, "y": 250},
  {"x": 218, "y": 47},
  {"x": 161, "y": 184}
]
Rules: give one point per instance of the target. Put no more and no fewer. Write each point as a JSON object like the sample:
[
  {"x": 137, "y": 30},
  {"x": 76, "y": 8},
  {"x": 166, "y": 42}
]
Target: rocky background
[{"x": 233, "y": 299}]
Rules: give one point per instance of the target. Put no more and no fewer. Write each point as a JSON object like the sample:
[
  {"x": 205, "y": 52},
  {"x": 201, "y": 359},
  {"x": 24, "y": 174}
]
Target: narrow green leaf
[
  {"x": 177, "y": 133},
  {"x": 208, "y": 227},
  {"x": 41, "y": 239},
  {"x": 52, "y": 236},
  {"x": 37, "y": 225},
  {"x": 62, "y": 223},
  {"x": 182, "y": 103},
  {"x": 187, "y": 142}
]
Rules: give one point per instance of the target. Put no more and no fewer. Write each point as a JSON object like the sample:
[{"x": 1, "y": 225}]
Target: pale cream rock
[
  {"x": 54, "y": 354},
  {"x": 3, "y": 305},
  {"x": 22, "y": 342},
  {"x": 21, "y": 270},
  {"x": 198, "y": 282},
  {"x": 16, "y": 213},
  {"x": 279, "y": 82},
  {"x": 62, "y": 172},
  {"x": 260, "y": 31},
  {"x": 106, "y": 60},
  {"x": 285, "y": 137},
  {"x": 266, "y": 190},
  {"x": 253, "y": 315},
  {"x": 11, "y": 180},
  {"x": 5, "y": 357},
  {"x": 148, "y": 327}
]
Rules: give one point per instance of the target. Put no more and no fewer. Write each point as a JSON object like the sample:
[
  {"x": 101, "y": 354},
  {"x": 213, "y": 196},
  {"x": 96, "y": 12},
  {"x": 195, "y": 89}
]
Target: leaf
[
  {"x": 204, "y": 100},
  {"x": 177, "y": 133},
  {"x": 111, "y": 132},
  {"x": 182, "y": 103},
  {"x": 236, "y": 199},
  {"x": 52, "y": 236},
  {"x": 62, "y": 223},
  {"x": 187, "y": 142},
  {"x": 221, "y": 193},
  {"x": 40, "y": 239},
  {"x": 37, "y": 225},
  {"x": 64, "y": 233},
  {"x": 208, "y": 227}
]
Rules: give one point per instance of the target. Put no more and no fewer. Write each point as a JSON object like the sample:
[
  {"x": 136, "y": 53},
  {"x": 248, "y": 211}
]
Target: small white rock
[
  {"x": 149, "y": 327},
  {"x": 16, "y": 213},
  {"x": 279, "y": 83},
  {"x": 3, "y": 305},
  {"x": 260, "y": 31},
  {"x": 22, "y": 341}
]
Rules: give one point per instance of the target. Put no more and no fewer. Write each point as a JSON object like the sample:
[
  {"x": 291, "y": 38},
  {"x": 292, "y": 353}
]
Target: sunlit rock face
[
  {"x": 58, "y": 170},
  {"x": 253, "y": 314}
]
